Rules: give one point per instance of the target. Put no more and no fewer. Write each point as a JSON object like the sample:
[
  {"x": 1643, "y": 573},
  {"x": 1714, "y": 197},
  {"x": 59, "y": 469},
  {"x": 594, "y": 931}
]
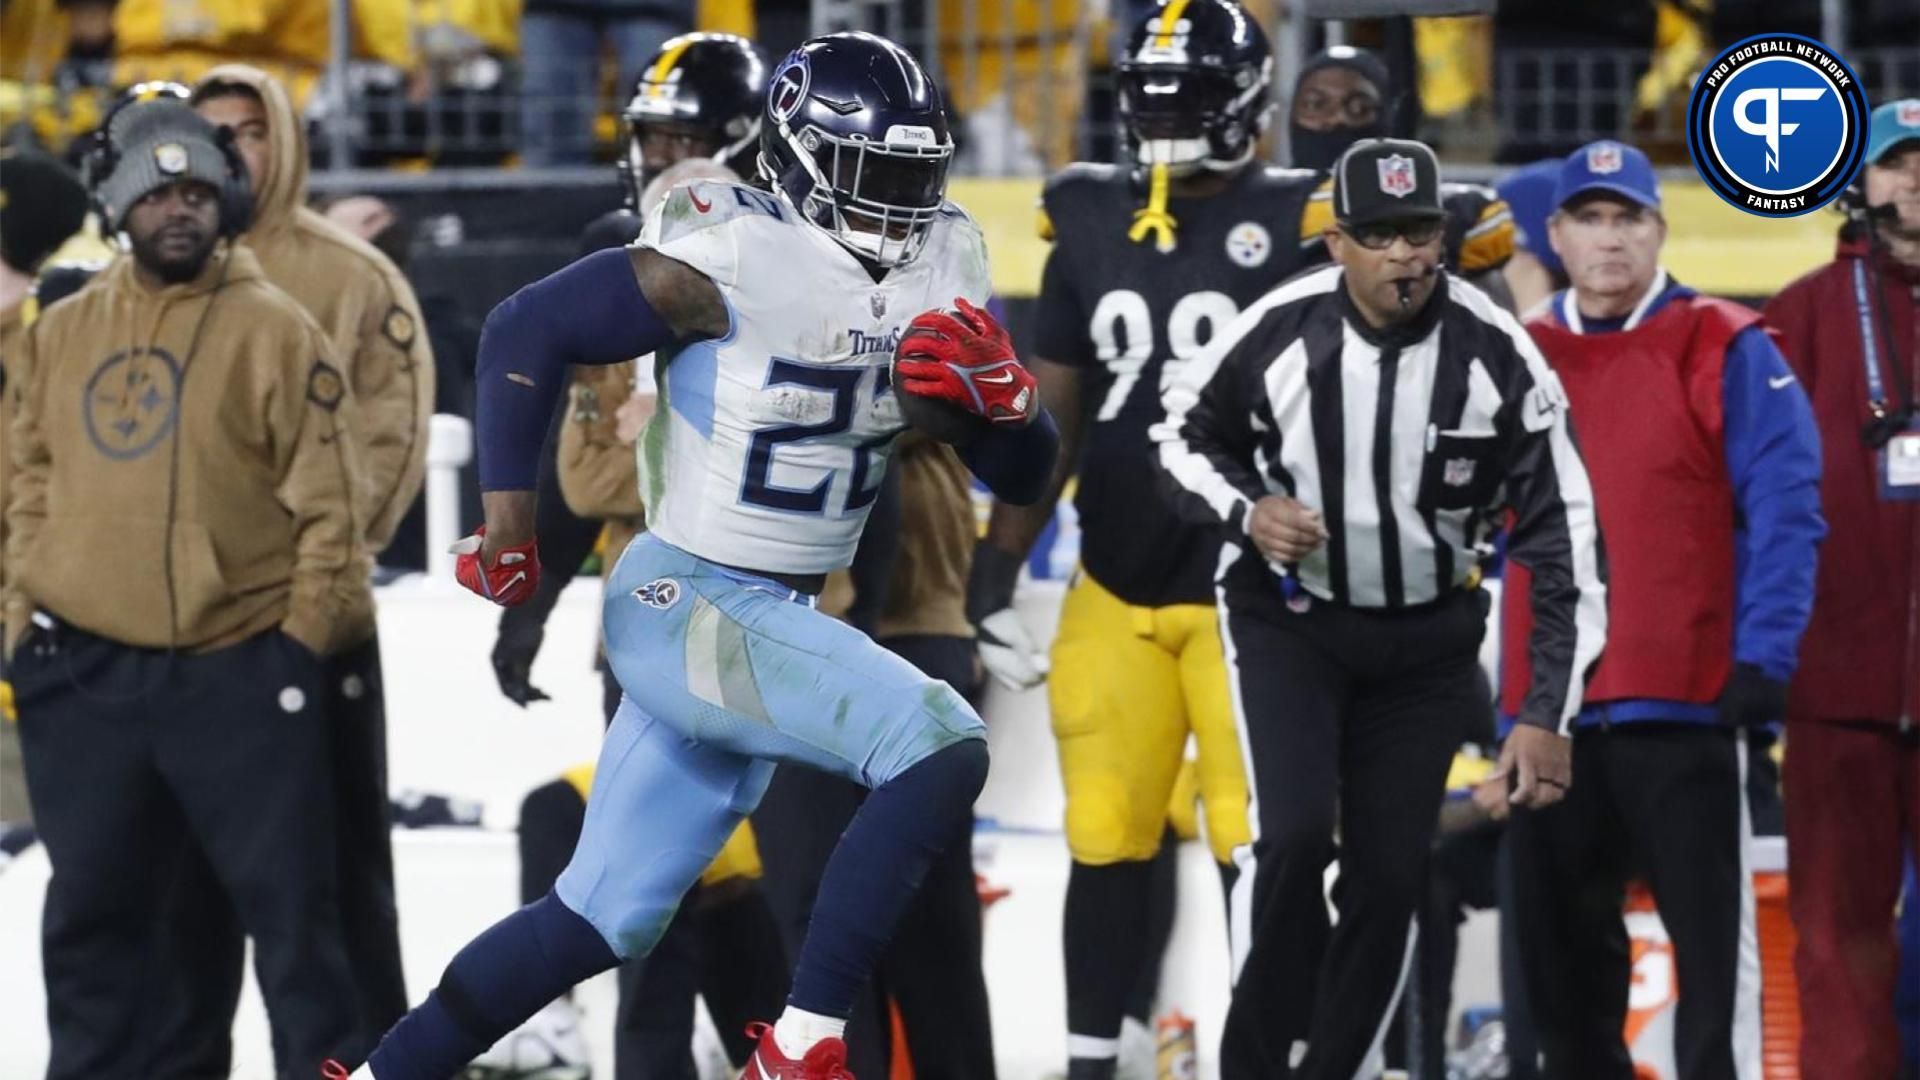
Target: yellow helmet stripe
[
  {"x": 1169, "y": 19},
  {"x": 656, "y": 76}
]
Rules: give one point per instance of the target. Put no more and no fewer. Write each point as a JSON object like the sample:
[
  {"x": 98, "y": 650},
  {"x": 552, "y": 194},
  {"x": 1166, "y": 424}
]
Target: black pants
[
  {"x": 193, "y": 1028},
  {"x": 137, "y": 759},
  {"x": 723, "y": 944},
  {"x": 931, "y": 969},
  {"x": 1350, "y": 718},
  {"x": 1664, "y": 801}
]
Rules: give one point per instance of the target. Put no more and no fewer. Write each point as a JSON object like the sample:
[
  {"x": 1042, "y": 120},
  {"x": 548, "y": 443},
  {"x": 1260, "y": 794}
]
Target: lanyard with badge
[{"x": 1894, "y": 432}]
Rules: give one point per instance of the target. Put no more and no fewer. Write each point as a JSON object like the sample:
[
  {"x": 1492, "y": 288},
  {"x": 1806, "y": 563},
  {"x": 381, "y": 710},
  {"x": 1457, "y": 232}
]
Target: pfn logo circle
[{"x": 1777, "y": 125}]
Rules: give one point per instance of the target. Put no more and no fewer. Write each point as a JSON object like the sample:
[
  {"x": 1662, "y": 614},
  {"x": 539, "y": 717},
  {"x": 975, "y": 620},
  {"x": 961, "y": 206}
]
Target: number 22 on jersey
[{"x": 821, "y": 444}]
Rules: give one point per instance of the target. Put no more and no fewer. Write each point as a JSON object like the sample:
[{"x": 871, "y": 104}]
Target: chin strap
[{"x": 1154, "y": 217}]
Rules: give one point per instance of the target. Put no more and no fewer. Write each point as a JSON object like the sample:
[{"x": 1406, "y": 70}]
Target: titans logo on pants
[
  {"x": 1777, "y": 125},
  {"x": 132, "y": 401}
]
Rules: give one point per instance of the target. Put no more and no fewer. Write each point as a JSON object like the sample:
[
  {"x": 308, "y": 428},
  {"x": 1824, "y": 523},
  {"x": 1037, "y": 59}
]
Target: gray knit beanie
[{"x": 157, "y": 143}]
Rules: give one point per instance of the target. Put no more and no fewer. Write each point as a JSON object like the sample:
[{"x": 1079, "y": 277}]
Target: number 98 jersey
[
  {"x": 1128, "y": 315},
  {"x": 768, "y": 445}
]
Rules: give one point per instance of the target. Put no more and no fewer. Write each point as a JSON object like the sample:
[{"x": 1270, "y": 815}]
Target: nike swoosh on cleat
[{"x": 1001, "y": 379}]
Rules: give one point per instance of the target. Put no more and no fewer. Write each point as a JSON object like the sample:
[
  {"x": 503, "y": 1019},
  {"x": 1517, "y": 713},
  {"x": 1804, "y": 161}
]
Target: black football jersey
[{"x": 1129, "y": 315}]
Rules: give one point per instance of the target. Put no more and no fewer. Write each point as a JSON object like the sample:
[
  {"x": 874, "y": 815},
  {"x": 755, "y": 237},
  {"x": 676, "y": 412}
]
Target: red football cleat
[{"x": 826, "y": 1061}]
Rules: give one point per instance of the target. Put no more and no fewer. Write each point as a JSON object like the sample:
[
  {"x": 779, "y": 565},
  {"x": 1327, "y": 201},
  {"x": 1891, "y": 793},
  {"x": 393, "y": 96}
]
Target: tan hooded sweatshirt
[
  {"x": 177, "y": 492},
  {"x": 360, "y": 299}
]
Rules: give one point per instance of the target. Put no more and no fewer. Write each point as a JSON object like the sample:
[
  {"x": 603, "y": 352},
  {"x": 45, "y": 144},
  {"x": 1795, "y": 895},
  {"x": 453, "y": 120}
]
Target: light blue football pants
[{"x": 726, "y": 674}]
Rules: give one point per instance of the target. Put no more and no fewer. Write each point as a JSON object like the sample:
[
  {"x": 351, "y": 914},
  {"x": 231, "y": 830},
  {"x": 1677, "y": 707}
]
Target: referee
[{"x": 1363, "y": 426}]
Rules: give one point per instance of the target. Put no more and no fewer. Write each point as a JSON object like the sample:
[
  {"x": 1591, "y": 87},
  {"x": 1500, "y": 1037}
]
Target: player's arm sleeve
[
  {"x": 1773, "y": 458},
  {"x": 1556, "y": 536},
  {"x": 1206, "y": 440},
  {"x": 26, "y": 507},
  {"x": 311, "y": 408},
  {"x": 1060, "y": 317},
  {"x": 1015, "y": 464},
  {"x": 392, "y": 377},
  {"x": 1064, "y": 362},
  {"x": 590, "y": 312}
]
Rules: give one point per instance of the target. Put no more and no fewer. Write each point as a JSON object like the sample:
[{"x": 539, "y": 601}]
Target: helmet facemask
[
  {"x": 878, "y": 199},
  {"x": 1190, "y": 118}
]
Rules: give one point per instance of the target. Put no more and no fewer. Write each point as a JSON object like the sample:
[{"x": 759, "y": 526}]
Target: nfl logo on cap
[
  {"x": 1603, "y": 158},
  {"x": 1396, "y": 175},
  {"x": 1908, "y": 113},
  {"x": 171, "y": 158}
]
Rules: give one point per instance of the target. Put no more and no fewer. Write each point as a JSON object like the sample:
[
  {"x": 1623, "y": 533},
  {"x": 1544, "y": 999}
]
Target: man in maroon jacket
[{"x": 1853, "y": 754}]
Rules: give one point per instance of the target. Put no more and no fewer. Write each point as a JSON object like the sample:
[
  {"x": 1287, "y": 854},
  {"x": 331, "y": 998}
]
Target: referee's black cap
[{"x": 1386, "y": 180}]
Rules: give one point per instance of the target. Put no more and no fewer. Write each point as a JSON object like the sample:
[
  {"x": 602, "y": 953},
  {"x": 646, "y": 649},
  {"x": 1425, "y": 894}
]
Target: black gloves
[
  {"x": 1752, "y": 699},
  {"x": 513, "y": 653}
]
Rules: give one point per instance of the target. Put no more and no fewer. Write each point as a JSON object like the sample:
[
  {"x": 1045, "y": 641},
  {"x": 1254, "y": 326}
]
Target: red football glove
[
  {"x": 966, "y": 359},
  {"x": 512, "y": 578}
]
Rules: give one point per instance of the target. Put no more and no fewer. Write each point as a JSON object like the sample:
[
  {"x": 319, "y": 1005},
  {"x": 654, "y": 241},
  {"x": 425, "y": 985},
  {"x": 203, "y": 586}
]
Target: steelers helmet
[
  {"x": 1195, "y": 86},
  {"x": 704, "y": 84}
]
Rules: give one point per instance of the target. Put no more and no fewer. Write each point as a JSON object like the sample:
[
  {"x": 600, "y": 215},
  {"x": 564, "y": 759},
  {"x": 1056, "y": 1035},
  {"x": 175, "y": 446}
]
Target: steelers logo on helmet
[
  {"x": 1777, "y": 125},
  {"x": 789, "y": 87}
]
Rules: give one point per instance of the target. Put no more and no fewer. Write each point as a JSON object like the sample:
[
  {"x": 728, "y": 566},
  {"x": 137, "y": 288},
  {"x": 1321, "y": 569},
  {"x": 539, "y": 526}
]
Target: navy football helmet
[
  {"x": 855, "y": 140},
  {"x": 704, "y": 87},
  {"x": 1196, "y": 86}
]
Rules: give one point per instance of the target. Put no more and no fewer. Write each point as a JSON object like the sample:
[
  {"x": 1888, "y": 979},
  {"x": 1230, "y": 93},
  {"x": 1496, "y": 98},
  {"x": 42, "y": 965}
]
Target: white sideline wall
[{"x": 451, "y": 732}]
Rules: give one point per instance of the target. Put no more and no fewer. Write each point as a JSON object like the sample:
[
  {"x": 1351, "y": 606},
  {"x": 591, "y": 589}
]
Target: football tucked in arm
[{"x": 956, "y": 376}]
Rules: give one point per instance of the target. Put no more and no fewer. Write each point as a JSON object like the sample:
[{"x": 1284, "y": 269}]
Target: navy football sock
[
  {"x": 502, "y": 977},
  {"x": 876, "y": 868}
]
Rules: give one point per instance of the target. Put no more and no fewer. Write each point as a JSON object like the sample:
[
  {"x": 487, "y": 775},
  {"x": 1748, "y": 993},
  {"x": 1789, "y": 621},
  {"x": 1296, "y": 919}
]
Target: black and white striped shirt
[{"x": 1409, "y": 440}]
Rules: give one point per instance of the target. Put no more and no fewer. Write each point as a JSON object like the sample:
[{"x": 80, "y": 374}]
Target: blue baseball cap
[
  {"x": 1528, "y": 192},
  {"x": 1892, "y": 124},
  {"x": 1611, "y": 167}
]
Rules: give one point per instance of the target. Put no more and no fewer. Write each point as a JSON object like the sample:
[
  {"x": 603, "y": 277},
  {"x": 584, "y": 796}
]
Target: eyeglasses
[
  {"x": 1319, "y": 107},
  {"x": 1379, "y": 235}
]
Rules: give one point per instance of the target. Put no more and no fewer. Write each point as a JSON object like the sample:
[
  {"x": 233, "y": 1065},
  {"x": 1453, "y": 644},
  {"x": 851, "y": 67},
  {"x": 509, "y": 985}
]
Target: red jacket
[{"x": 1860, "y": 657}]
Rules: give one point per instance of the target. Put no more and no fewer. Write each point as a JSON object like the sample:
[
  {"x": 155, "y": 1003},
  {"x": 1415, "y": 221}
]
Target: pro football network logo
[
  {"x": 1396, "y": 175},
  {"x": 789, "y": 87},
  {"x": 1777, "y": 125}
]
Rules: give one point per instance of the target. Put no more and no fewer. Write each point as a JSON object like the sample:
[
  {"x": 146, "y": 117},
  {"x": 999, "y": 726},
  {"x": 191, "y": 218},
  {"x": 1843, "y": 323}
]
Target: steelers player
[
  {"x": 1150, "y": 260},
  {"x": 1345, "y": 94}
]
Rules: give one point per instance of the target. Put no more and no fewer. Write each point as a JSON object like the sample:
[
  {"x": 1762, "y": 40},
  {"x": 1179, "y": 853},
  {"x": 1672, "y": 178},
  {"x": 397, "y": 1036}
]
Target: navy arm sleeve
[
  {"x": 590, "y": 312},
  {"x": 1773, "y": 458},
  {"x": 1015, "y": 464}
]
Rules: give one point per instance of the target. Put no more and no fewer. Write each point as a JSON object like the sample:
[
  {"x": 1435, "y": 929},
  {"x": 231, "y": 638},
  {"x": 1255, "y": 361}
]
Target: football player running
[
  {"x": 1149, "y": 261},
  {"x": 774, "y": 317},
  {"x": 694, "y": 113}
]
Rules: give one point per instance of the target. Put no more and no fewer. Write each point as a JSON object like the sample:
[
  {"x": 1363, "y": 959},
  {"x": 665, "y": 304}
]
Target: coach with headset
[{"x": 182, "y": 549}]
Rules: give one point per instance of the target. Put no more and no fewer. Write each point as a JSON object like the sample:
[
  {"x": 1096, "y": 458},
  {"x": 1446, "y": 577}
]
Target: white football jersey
[{"x": 768, "y": 446}]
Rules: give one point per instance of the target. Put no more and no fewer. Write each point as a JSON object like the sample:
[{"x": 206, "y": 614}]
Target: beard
[{"x": 172, "y": 263}]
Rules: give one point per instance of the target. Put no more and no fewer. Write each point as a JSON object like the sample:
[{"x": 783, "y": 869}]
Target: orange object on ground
[{"x": 1651, "y": 1003}]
